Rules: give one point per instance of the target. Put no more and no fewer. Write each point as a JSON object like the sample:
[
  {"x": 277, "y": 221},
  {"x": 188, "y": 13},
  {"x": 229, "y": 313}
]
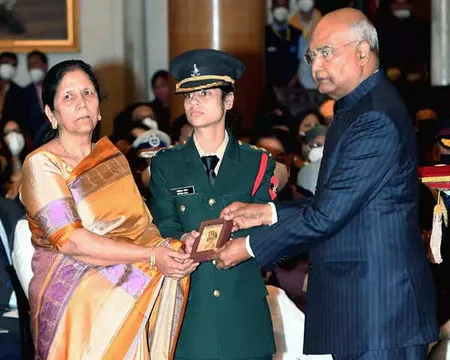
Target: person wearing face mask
[
  {"x": 315, "y": 140},
  {"x": 34, "y": 112},
  {"x": 16, "y": 151},
  {"x": 11, "y": 94},
  {"x": 305, "y": 19},
  {"x": 281, "y": 42}
]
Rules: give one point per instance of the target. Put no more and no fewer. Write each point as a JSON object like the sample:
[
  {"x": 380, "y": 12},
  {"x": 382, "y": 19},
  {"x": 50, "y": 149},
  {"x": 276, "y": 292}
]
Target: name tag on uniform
[{"x": 187, "y": 190}]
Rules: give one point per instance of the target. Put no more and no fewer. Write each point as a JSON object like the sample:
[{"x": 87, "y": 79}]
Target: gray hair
[{"x": 364, "y": 30}]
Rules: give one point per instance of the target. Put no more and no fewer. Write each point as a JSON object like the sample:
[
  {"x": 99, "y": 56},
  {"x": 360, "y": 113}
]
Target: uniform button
[
  {"x": 212, "y": 202},
  {"x": 216, "y": 293},
  {"x": 182, "y": 208}
]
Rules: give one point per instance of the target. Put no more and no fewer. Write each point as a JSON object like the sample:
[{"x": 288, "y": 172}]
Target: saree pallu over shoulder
[
  {"x": 99, "y": 194},
  {"x": 82, "y": 311}
]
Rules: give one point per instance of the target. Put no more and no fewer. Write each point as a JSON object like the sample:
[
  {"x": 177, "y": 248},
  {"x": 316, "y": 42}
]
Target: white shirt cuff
[
  {"x": 247, "y": 245},
  {"x": 274, "y": 213},
  {"x": 274, "y": 220}
]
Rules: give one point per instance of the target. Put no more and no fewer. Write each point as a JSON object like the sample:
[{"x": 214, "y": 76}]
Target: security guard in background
[
  {"x": 282, "y": 47},
  {"x": 227, "y": 316}
]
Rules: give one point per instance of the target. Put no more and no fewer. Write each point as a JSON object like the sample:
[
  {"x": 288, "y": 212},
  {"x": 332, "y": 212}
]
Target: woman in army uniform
[{"x": 227, "y": 316}]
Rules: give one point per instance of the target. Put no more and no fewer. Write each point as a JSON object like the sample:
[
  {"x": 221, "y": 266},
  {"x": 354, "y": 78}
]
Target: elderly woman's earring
[{"x": 99, "y": 117}]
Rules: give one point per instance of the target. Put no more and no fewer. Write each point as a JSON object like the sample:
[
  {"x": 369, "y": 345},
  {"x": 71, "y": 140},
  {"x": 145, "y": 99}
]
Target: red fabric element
[
  {"x": 261, "y": 172},
  {"x": 436, "y": 171},
  {"x": 429, "y": 171}
]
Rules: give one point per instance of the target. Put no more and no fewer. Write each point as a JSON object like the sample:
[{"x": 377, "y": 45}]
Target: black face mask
[{"x": 445, "y": 159}]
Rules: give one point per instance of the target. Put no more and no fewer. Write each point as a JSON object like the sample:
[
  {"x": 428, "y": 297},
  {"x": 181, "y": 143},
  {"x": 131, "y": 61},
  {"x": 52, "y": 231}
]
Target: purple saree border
[
  {"x": 134, "y": 283},
  {"x": 63, "y": 282},
  {"x": 56, "y": 215}
]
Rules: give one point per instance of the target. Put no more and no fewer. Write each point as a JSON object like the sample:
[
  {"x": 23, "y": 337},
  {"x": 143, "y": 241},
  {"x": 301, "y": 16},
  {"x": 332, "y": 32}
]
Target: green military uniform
[{"x": 227, "y": 316}]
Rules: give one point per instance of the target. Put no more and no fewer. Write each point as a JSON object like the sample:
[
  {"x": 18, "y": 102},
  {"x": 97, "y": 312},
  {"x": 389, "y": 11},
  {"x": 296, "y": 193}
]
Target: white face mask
[
  {"x": 281, "y": 172},
  {"x": 36, "y": 75},
  {"x": 7, "y": 71},
  {"x": 15, "y": 142},
  {"x": 305, "y": 5},
  {"x": 280, "y": 14},
  {"x": 315, "y": 154},
  {"x": 402, "y": 13}
]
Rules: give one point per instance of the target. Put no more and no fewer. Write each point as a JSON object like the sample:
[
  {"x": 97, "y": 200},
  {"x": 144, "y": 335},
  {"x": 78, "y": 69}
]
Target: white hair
[{"x": 365, "y": 31}]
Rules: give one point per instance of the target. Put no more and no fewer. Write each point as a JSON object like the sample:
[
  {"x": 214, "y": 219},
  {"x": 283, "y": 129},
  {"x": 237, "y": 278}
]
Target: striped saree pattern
[{"x": 81, "y": 311}]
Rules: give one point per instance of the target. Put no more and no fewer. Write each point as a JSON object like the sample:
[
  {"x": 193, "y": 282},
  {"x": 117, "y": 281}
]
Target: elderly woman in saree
[{"x": 106, "y": 285}]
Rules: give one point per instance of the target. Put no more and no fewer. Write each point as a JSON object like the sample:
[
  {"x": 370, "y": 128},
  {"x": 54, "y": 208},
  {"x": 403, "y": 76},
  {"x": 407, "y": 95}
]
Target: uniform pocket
[{"x": 188, "y": 207}]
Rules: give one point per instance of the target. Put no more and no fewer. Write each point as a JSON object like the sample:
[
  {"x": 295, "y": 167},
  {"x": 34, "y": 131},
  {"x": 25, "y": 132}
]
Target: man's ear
[{"x": 364, "y": 53}]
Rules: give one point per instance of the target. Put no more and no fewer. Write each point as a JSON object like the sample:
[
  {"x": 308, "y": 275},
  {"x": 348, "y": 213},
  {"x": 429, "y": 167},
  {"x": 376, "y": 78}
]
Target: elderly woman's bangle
[{"x": 152, "y": 259}]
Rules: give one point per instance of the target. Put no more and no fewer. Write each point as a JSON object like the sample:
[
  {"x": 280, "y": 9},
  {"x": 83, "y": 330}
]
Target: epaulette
[
  {"x": 169, "y": 148},
  {"x": 163, "y": 150},
  {"x": 248, "y": 146}
]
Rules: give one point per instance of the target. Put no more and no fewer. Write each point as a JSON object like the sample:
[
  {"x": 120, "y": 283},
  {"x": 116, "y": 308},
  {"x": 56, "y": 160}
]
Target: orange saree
[{"x": 81, "y": 311}]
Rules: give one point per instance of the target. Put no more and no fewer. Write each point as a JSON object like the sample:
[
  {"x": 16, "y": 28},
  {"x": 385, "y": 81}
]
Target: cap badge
[
  {"x": 196, "y": 71},
  {"x": 154, "y": 140}
]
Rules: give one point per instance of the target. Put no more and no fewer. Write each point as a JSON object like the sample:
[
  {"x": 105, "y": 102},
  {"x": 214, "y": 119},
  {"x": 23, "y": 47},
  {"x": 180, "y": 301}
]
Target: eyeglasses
[{"x": 326, "y": 53}]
